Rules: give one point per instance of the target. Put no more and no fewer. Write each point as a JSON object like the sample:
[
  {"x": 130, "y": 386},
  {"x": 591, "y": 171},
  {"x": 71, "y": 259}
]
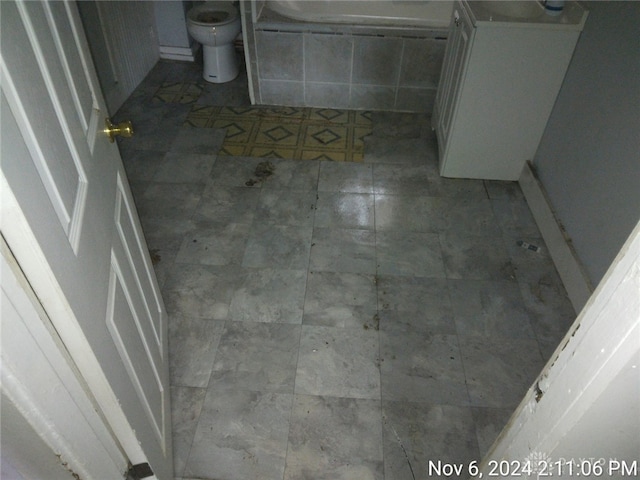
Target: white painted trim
[
  {"x": 24, "y": 245},
  {"x": 41, "y": 382},
  {"x": 564, "y": 257},
  {"x": 185, "y": 54},
  {"x": 245, "y": 40}
]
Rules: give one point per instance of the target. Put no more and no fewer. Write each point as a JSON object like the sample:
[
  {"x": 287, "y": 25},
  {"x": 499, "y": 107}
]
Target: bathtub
[
  {"x": 359, "y": 54},
  {"x": 404, "y": 13}
]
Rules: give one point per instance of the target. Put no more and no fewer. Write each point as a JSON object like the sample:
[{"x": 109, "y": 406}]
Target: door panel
[
  {"x": 134, "y": 248},
  {"x": 53, "y": 150},
  {"x": 75, "y": 231},
  {"x": 124, "y": 325},
  {"x": 134, "y": 313},
  {"x": 74, "y": 64}
]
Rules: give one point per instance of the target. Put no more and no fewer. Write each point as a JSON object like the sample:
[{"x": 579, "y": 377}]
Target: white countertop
[{"x": 491, "y": 13}]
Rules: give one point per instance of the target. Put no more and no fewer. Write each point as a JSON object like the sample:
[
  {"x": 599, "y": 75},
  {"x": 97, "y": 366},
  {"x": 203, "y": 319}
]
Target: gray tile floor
[{"x": 336, "y": 320}]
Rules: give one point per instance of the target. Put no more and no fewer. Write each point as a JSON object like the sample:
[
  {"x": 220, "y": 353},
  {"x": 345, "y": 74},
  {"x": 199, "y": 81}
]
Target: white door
[{"x": 69, "y": 219}]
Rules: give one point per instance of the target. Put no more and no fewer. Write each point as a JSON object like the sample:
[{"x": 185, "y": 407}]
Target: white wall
[{"x": 589, "y": 157}]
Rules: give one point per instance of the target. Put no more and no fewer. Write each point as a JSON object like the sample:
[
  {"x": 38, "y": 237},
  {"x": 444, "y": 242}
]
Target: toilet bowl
[{"x": 216, "y": 25}]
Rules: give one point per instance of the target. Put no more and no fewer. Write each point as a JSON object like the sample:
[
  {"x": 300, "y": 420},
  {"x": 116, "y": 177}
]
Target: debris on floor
[
  {"x": 263, "y": 170},
  {"x": 374, "y": 324},
  {"x": 528, "y": 246},
  {"x": 155, "y": 256}
]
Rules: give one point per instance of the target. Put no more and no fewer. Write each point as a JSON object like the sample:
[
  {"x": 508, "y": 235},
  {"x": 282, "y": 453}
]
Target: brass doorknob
[{"x": 124, "y": 128}]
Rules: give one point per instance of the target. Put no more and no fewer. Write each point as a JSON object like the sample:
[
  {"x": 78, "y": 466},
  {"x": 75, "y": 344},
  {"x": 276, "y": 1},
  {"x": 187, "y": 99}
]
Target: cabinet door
[{"x": 460, "y": 36}]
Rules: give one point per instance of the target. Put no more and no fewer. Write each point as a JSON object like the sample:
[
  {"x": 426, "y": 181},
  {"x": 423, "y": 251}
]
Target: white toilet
[{"x": 216, "y": 25}]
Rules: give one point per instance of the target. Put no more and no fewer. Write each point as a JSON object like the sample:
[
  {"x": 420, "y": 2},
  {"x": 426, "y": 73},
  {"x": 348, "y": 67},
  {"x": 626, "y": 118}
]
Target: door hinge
[{"x": 139, "y": 471}]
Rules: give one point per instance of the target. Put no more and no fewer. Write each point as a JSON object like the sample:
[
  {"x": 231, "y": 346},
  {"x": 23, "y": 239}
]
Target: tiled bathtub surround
[
  {"x": 338, "y": 320},
  {"x": 343, "y": 66}
]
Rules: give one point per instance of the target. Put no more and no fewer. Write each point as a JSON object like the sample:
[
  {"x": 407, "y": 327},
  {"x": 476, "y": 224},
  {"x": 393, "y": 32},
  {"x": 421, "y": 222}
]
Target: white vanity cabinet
[{"x": 503, "y": 67}]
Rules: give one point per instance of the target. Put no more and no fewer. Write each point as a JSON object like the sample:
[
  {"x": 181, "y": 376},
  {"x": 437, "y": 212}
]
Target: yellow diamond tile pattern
[
  {"x": 287, "y": 132},
  {"x": 177, "y": 92}
]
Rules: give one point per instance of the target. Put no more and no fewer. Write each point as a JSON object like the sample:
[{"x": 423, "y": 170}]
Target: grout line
[
  {"x": 401, "y": 446},
  {"x": 486, "y": 190},
  {"x": 397, "y": 85}
]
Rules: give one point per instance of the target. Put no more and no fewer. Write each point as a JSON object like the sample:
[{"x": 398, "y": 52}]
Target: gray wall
[
  {"x": 171, "y": 23},
  {"x": 589, "y": 156},
  {"x": 128, "y": 30}
]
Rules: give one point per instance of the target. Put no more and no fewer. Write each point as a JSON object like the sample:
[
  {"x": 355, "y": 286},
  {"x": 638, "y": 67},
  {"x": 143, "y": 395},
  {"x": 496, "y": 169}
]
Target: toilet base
[{"x": 220, "y": 63}]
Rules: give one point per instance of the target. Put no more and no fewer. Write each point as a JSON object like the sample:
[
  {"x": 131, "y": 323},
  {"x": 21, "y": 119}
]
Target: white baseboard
[
  {"x": 186, "y": 54},
  {"x": 564, "y": 257}
]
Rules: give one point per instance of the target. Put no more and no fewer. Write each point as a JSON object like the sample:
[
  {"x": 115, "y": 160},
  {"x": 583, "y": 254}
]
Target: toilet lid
[{"x": 218, "y": 13}]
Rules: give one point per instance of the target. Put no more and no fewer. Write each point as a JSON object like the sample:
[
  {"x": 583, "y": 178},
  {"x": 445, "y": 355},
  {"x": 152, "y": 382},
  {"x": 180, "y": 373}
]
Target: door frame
[
  {"x": 28, "y": 254},
  {"x": 51, "y": 423}
]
